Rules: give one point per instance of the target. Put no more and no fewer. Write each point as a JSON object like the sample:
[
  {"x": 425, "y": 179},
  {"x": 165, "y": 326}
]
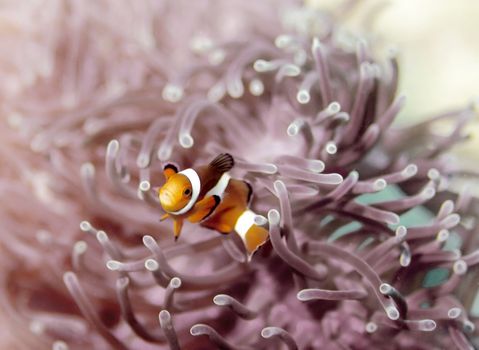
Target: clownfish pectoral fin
[
  {"x": 223, "y": 228},
  {"x": 169, "y": 170},
  {"x": 204, "y": 208},
  {"x": 177, "y": 225},
  {"x": 222, "y": 163},
  {"x": 164, "y": 217}
]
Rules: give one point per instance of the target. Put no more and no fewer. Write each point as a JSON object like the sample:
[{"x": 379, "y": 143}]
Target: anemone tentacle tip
[
  {"x": 113, "y": 147},
  {"x": 221, "y": 299},
  {"x": 113, "y": 265},
  {"x": 59, "y": 345},
  {"x": 393, "y": 313},
  {"x": 144, "y": 186},
  {"x": 151, "y": 265},
  {"x": 371, "y": 327},
  {"x": 273, "y": 216},
  {"x": 267, "y": 332},
  {"x": 175, "y": 282},
  {"x": 148, "y": 240},
  {"x": 164, "y": 315},
  {"x": 85, "y": 226}
]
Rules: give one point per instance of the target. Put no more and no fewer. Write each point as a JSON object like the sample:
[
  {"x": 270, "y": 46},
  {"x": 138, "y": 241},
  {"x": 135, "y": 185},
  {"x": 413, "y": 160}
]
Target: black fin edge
[
  {"x": 170, "y": 166},
  {"x": 223, "y": 162},
  {"x": 250, "y": 191},
  {"x": 217, "y": 202}
]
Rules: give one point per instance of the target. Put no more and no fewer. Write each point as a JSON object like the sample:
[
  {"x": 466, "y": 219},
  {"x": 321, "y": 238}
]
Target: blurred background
[
  {"x": 437, "y": 43},
  {"x": 438, "y": 52}
]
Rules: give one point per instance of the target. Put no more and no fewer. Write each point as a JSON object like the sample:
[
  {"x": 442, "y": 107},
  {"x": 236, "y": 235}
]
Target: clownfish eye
[{"x": 187, "y": 192}]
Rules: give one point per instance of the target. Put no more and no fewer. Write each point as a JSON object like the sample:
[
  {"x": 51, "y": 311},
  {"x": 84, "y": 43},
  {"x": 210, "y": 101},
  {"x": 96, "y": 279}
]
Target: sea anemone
[{"x": 372, "y": 228}]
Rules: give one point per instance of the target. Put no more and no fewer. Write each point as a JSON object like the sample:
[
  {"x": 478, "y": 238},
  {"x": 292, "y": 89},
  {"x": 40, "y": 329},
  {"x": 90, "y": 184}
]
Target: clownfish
[{"x": 209, "y": 196}]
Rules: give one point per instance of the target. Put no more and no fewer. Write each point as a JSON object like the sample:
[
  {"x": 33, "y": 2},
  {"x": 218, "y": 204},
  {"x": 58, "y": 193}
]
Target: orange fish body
[{"x": 209, "y": 196}]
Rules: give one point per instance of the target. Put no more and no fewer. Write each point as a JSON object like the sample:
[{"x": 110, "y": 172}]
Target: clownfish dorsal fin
[
  {"x": 222, "y": 163},
  {"x": 169, "y": 170}
]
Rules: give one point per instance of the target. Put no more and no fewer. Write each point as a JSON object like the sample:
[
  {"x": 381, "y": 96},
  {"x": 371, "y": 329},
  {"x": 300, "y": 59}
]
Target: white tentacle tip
[
  {"x": 304, "y": 295},
  {"x": 262, "y": 66},
  {"x": 172, "y": 93},
  {"x": 143, "y": 161},
  {"x": 316, "y": 44},
  {"x": 442, "y": 235},
  {"x": 371, "y": 327},
  {"x": 260, "y": 220},
  {"x": 256, "y": 87},
  {"x": 460, "y": 267},
  {"x": 468, "y": 327},
  {"x": 303, "y": 96},
  {"x": 405, "y": 259},
  {"x": 270, "y": 168},
  {"x": 454, "y": 312},
  {"x": 221, "y": 300},
  {"x": 164, "y": 153},
  {"x": 394, "y": 219},
  {"x": 59, "y": 345},
  {"x": 235, "y": 88},
  {"x": 401, "y": 232},
  {"x": 274, "y": 217},
  {"x": 354, "y": 175},
  {"x": 37, "y": 327},
  {"x": 151, "y": 265},
  {"x": 336, "y": 179},
  {"x": 101, "y": 236},
  {"x": 282, "y": 41},
  {"x": 216, "y": 92},
  {"x": 113, "y": 265},
  {"x": 331, "y": 147},
  {"x": 164, "y": 316},
  {"x": 175, "y": 282},
  {"x": 80, "y": 247},
  {"x": 87, "y": 169},
  {"x": 427, "y": 325},
  {"x": 269, "y": 332},
  {"x": 385, "y": 288},
  {"x": 279, "y": 186},
  {"x": 85, "y": 226},
  {"x": 290, "y": 70},
  {"x": 200, "y": 329},
  {"x": 148, "y": 241},
  {"x": 380, "y": 184},
  {"x": 410, "y": 170},
  {"x": 69, "y": 278},
  {"x": 392, "y": 313},
  {"x": 144, "y": 186},
  {"x": 186, "y": 141},
  {"x": 433, "y": 174},
  {"x": 113, "y": 147}
]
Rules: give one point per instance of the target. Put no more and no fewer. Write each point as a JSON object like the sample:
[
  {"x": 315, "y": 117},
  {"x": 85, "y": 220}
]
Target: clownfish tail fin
[
  {"x": 222, "y": 163},
  {"x": 252, "y": 235},
  {"x": 254, "y": 238}
]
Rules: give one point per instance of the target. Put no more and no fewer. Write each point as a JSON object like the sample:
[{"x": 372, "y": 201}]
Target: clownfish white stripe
[
  {"x": 195, "y": 190},
  {"x": 244, "y": 223},
  {"x": 220, "y": 186}
]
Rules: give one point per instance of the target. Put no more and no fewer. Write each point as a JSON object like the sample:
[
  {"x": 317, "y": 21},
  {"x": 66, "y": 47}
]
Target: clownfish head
[{"x": 176, "y": 193}]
